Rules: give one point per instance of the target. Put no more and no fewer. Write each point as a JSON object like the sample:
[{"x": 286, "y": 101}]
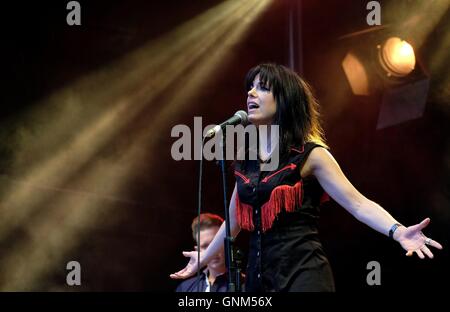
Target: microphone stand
[{"x": 233, "y": 271}]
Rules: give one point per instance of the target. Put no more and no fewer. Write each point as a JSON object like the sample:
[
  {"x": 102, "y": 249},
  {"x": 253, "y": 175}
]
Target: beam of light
[
  {"x": 441, "y": 55},
  {"x": 135, "y": 83},
  {"x": 163, "y": 64},
  {"x": 416, "y": 19}
]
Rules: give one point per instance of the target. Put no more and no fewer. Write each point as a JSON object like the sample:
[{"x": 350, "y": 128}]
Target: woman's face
[{"x": 261, "y": 104}]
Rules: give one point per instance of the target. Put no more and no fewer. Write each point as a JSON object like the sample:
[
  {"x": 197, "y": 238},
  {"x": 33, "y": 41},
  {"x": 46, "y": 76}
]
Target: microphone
[{"x": 240, "y": 117}]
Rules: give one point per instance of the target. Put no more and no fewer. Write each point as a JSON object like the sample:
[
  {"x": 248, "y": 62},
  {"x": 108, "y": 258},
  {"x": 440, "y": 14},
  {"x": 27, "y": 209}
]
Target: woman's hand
[
  {"x": 414, "y": 241},
  {"x": 190, "y": 269}
]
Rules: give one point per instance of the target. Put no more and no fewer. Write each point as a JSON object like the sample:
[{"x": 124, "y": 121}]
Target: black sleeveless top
[{"x": 281, "y": 209}]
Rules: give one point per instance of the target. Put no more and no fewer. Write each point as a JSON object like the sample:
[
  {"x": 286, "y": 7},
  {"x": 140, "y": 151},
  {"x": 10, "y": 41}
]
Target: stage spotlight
[
  {"x": 397, "y": 57},
  {"x": 383, "y": 66}
]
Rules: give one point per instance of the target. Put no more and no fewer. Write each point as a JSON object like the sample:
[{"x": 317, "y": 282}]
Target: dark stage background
[{"x": 114, "y": 200}]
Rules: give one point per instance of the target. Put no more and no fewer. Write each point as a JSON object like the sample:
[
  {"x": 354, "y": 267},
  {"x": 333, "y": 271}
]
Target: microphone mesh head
[{"x": 243, "y": 115}]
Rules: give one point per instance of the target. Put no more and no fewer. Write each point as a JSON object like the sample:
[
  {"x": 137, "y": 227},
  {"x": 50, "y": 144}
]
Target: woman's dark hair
[{"x": 297, "y": 112}]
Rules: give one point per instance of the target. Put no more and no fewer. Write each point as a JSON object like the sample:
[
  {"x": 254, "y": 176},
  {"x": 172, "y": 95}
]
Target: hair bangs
[{"x": 267, "y": 76}]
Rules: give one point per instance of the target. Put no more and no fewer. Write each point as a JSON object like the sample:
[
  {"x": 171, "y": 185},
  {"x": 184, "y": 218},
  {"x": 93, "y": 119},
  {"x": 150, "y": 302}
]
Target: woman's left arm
[{"x": 324, "y": 167}]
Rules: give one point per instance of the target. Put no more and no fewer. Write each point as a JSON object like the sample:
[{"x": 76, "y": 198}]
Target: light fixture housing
[{"x": 396, "y": 57}]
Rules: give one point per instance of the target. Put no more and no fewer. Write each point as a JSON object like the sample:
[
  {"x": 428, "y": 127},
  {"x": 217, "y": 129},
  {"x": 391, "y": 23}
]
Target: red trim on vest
[
  {"x": 290, "y": 166},
  {"x": 325, "y": 197},
  {"x": 282, "y": 196},
  {"x": 244, "y": 214},
  {"x": 299, "y": 151},
  {"x": 243, "y": 177}
]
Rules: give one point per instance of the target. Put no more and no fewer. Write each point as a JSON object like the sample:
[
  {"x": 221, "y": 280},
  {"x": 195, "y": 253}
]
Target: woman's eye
[{"x": 259, "y": 87}]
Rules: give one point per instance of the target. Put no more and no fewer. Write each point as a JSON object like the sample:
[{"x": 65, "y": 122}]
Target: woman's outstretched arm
[{"x": 324, "y": 167}]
